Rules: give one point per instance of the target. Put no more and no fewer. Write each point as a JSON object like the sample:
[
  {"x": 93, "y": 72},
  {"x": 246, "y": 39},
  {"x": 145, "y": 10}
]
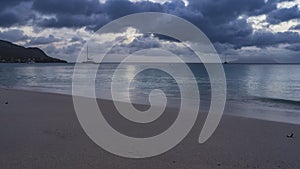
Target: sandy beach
[{"x": 41, "y": 130}]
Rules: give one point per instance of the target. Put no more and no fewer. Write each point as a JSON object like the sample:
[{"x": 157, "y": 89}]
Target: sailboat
[{"x": 88, "y": 60}]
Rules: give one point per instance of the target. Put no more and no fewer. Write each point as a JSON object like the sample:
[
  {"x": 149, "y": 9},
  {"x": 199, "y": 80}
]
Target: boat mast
[{"x": 87, "y": 52}]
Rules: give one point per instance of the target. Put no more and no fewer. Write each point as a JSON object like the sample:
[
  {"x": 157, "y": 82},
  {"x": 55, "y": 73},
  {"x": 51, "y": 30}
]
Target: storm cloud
[
  {"x": 225, "y": 22},
  {"x": 296, "y": 27},
  {"x": 284, "y": 14},
  {"x": 43, "y": 40},
  {"x": 13, "y": 35}
]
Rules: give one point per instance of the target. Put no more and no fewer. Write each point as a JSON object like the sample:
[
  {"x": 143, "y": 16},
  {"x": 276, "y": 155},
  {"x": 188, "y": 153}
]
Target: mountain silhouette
[{"x": 11, "y": 53}]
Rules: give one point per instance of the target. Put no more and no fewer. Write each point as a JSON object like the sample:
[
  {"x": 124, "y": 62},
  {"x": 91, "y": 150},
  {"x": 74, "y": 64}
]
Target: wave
[{"x": 278, "y": 100}]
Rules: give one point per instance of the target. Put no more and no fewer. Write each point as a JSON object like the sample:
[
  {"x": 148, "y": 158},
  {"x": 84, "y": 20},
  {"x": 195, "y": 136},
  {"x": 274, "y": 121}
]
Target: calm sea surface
[{"x": 263, "y": 91}]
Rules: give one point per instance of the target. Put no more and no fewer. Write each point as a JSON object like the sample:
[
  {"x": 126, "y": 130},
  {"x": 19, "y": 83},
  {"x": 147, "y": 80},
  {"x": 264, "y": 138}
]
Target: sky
[{"x": 241, "y": 30}]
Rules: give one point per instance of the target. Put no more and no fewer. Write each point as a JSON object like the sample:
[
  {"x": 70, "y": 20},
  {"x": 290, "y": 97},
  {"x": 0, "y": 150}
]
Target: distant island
[{"x": 12, "y": 53}]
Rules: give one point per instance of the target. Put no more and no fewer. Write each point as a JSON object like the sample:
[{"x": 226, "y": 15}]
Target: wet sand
[{"x": 41, "y": 130}]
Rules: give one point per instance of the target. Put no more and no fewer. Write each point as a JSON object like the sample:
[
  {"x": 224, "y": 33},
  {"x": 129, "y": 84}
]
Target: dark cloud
[
  {"x": 13, "y": 35},
  {"x": 72, "y": 49},
  {"x": 232, "y": 32},
  {"x": 71, "y": 13},
  {"x": 217, "y": 19},
  {"x": 225, "y": 48},
  {"x": 223, "y": 21},
  {"x": 74, "y": 21},
  {"x": 76, "y": 39},
  {"x": 294, "y": 47},
  {"x": 11, "y": 3},
  {"x": 284, "y": 14},
  {"x": 266, "y": 8},
  {"x": 20, "y": 14},
  {"x": 119, "y": 8},
  {"x": 296, "y": 27},
  {"x": 43, "y": 40},
  {"x": 225, "y": 10},
  {"x": 264, "y": 39},
  {"x": 8, "y": 19},
  {"x": 67, "y": 52},
  {"x": 69, "y": 7}
]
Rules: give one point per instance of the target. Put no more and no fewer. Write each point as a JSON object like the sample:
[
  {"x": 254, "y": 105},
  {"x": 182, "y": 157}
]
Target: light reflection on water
[{"x": 261, "y": 91}]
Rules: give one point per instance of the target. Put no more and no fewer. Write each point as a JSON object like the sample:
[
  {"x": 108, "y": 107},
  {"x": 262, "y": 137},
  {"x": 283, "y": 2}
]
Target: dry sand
[{"x": 41, "y": 130}]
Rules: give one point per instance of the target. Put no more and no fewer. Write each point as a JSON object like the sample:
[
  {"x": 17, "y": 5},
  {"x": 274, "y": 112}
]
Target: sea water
[{"x": 262, "y": 91}]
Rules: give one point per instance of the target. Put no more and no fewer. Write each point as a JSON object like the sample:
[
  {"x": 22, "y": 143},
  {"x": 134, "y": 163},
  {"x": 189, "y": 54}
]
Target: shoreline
[
  {"x": 41, "y": 130},
  {"x": 229, "y": 109}
]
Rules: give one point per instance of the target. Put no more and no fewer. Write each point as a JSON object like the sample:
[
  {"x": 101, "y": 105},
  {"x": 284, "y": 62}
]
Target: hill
[{"x": 11, "y": 53}]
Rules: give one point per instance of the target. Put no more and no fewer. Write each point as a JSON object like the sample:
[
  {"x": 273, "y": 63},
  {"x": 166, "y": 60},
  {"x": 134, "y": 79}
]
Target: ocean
[{"x": 261, "y": 91}]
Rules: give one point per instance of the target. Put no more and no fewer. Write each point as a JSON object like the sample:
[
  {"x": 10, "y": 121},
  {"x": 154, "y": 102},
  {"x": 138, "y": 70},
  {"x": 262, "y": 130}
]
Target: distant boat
[
  {"x": 88, "y": 60},
  {"x": 225, "y": 62}
]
